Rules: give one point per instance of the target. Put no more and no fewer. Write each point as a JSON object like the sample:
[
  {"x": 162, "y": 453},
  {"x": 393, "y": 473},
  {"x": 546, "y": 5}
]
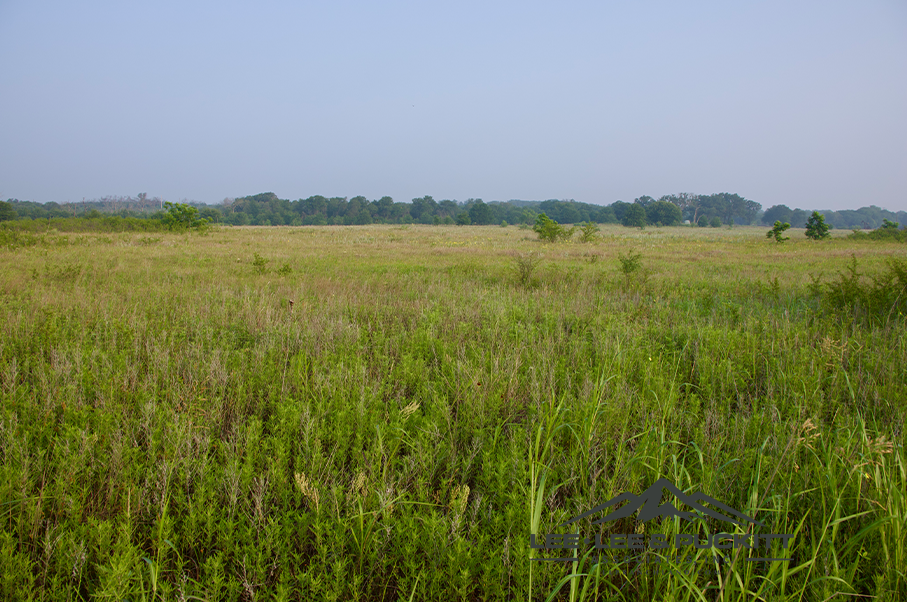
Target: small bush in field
[
  {"x": 588, "y": 232},
  {"x": 777, "y": 231},
  {"x": 524, "y": 266},
  {"x": 630, "y": 265},
  {"x": 181, "y": 216},
  {"x": 260, "y": 264},
  {"x": 877, "y": 298},
  {"x": 551, "y": 231}
]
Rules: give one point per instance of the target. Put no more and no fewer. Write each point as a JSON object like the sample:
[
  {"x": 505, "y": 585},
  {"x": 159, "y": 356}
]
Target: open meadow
[{"x": 389, "y": 412}]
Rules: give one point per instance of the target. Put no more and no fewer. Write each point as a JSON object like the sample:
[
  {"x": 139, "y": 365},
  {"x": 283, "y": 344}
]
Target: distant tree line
[
  {"x": 140, "y": 206},
  {"x": 865, "y": 218},
  {"x": 267, "y": 209}
]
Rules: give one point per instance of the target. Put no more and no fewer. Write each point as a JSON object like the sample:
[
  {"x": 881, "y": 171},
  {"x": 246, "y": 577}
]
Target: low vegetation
[{"x": 392, "y": 412}]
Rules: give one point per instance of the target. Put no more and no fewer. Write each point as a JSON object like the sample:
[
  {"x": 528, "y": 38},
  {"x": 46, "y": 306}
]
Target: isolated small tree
[
  {"x": 630, "y": 265},
  {"x": 588, "y": 232},
  {"x": 716, "y": 222},
  {"x": 816, "y": 228},
  {"x": 550, "y": 230},
  {"x": 777, "y": 231}
]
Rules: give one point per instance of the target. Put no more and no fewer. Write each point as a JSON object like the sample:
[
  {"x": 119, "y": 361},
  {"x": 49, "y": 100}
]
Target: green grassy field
[{"x": 388, "y": 413}]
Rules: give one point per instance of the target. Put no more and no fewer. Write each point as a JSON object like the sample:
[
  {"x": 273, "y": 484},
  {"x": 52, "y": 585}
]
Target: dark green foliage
[
  {"x": 268, "y": 209},
  {"x": 634, "y": 216},
  {"x": 783, "y": 213},
  {"x": 7, "y": 213},
  {"x": 730, "y": 208},
  {"x": 212, "y": 214},
  {"x": 480, "y": 214},
  {"x": 777, "y": 232},
  {"x": 715, "y": 222},
  {"x": 816, "y": 228},
  {"x": 663, "y": 213},
  {"x": 864, "y": 217}
]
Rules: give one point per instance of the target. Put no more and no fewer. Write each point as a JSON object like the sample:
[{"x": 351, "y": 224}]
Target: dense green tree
[
  {"x": 634, "y": 216},
  {"x": 211, "y": 214},
  {"x": 606, "y": 216},
  {"x": 480, "y": 213},
  {"x": 447, "y": 208},
  {"x": 663, "y": 213},
  {"x": 816, "y": 228},
  {"x": 7, "y": 212},
  {"x": 423, "y": 209},
  {"x": 776, "y": 213},
  {"x": 619, "y": 208}
]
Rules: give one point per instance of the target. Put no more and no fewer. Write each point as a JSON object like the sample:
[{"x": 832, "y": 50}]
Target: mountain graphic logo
[{"x": 649, "y": 505}]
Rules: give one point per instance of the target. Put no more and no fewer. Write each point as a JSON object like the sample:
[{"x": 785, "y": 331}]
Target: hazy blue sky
[{"x": 802, "y": 103}]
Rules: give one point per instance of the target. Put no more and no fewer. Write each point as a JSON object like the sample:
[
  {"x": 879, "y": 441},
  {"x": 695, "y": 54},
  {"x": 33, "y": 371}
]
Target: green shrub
[
  {"x": 777, "y": 231},
  {"x": 873, "y": 299},
  {"x": 260, "y": 264},
  {"x": 630, "y": 265},
  {"x": 588, "y": 232},
  {"x": 888, "y": 232},
  {"x": 181, "y": 216},
  {"x": 524, "y": 266},
  {"x": 551, "y": 231}
]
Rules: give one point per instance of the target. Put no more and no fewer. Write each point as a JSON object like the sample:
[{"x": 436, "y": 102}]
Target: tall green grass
[{"x": 393, "y": 415}]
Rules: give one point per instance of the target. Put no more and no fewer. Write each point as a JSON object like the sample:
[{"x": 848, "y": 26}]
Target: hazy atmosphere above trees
[{"x": 798, "y": 104}]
